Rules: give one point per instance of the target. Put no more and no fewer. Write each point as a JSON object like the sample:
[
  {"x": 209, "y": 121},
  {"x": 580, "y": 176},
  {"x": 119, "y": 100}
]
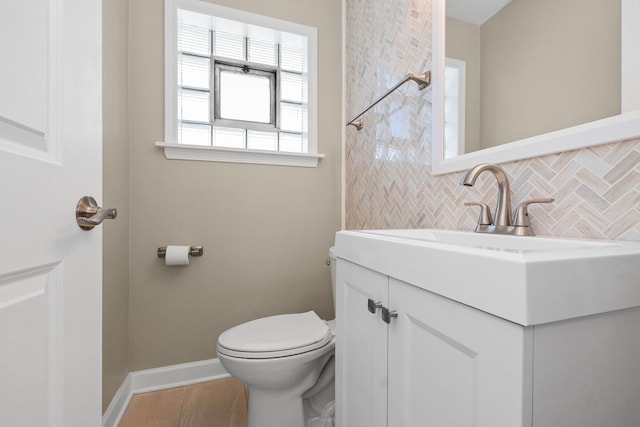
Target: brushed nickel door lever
[{"x": 89, "y": 214}]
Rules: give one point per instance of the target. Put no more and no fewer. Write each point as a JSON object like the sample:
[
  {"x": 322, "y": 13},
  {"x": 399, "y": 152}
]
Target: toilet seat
[{"x": 275, "y": 336}]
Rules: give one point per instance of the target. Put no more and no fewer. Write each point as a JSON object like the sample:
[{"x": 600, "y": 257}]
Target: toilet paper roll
[{"x": 177, "y": 255}]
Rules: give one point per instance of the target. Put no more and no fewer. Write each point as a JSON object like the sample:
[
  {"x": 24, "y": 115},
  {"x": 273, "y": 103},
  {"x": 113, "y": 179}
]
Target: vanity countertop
[{"x": 526, "y": 280}]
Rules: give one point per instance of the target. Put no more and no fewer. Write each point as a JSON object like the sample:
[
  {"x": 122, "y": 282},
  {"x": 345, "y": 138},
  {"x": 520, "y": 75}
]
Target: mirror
[{"x": 522, "y": 78}]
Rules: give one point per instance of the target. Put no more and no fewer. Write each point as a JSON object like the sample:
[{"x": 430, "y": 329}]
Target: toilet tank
[{"x": 332, "y": 264}]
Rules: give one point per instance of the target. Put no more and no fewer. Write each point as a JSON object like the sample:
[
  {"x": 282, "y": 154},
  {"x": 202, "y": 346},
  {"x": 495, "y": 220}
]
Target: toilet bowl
[{"x": 286, "y": 362}]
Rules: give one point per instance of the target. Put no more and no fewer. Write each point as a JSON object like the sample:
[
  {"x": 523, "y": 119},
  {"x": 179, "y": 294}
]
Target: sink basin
[
  {"x": 495, "y": 242},
  {"x": 527, "y": 280}
]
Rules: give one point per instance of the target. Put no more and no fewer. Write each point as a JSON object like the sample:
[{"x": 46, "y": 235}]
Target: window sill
[{"x": 233, "y": 155}]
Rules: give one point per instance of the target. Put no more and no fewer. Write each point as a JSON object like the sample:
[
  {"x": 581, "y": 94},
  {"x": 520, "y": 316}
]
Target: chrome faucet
[
  {"x": 502, "y": 224},
  {"x": 503, "y": 205}
]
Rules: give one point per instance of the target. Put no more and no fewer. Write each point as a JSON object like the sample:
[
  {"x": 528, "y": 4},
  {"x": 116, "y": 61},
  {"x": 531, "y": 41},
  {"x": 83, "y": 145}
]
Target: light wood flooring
[{"x": 220, "y": 403}]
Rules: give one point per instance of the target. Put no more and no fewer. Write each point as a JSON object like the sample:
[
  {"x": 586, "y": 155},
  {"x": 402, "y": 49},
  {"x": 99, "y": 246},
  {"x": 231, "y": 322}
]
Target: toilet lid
[{"x": 276, "y": 336}]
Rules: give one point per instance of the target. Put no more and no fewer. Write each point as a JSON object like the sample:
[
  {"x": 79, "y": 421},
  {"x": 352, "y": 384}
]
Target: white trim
[
  {"x": 177, "y": 375},
  {"x": 630, "y": 60},
  {"x": 612, "y": 129},
  {"x": 114, "y": 413},
  {"x": 170, "y": 71},
  {"x": 236, "y": 155},
  {"x": 343, "y": 133},
  {"x": 160, "y": 379},
  {"x": 437, "y": 86}
]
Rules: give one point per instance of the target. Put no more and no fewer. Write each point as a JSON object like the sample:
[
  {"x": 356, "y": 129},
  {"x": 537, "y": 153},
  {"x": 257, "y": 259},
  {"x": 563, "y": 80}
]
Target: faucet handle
[
  {"x": 485, "y": 213},
  {"x": 521, "y": 217}
]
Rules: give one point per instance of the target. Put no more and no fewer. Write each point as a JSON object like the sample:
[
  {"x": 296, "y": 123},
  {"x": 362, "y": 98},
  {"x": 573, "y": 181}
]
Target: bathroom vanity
[{"x": 449, "y": 328}]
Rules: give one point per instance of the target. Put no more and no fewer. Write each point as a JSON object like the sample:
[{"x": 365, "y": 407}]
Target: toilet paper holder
[{"x": 193, "y": 251}]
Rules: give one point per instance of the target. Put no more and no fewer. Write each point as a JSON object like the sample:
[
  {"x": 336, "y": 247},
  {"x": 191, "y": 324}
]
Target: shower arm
[{"x": 423, "y": 80}]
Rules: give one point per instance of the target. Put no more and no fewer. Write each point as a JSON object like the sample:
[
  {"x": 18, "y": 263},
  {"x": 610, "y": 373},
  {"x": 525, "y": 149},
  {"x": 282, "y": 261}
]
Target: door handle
[{"x": 89, "y": 214}]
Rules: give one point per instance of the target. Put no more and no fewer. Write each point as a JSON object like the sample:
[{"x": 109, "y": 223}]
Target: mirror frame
[{"x": 612, "y": 129}]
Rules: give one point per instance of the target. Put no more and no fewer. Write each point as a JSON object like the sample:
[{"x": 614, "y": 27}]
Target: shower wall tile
[{"x": 388, "y": 162}]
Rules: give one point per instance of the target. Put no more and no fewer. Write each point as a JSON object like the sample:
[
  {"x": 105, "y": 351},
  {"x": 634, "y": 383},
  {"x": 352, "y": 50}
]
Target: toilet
[{"x": 287, "y": 363}]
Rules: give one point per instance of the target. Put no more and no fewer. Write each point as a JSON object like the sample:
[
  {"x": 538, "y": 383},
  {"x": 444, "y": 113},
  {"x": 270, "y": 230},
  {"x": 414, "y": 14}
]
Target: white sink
[
  {"x": 495, "y": 242},
  {"x": 527, "y": 280}
]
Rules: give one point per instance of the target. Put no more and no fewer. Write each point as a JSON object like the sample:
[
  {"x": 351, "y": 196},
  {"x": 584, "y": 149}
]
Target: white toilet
[{"x": 287, "y": 363}]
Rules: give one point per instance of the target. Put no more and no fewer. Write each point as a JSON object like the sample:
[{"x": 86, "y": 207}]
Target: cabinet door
[
  {"x": 452, "y": 365},
  {"x": 361, "y": 348}
]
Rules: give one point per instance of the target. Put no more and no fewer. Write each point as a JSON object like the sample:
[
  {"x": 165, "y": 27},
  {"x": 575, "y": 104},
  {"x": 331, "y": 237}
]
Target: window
[
  {"x": 454, "y": 107},
  {"x": 234, "y": 86},
  {"x": 239, "y": 87}
]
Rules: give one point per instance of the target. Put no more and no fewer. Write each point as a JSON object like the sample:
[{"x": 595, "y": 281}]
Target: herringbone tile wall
[
  {"x": 388, "y": 161},
  {"x": 388, "y": 179}
]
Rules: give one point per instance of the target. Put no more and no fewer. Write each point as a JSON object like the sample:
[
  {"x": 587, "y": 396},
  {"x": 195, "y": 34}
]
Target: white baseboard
[
  {"x": 176, "y": 375},
  {"x": 119, "y": 403},
  {"x": 160, "y": 379}
]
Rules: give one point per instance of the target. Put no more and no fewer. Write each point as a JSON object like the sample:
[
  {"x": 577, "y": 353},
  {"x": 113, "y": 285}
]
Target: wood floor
[{"x": 220, "y": 403}]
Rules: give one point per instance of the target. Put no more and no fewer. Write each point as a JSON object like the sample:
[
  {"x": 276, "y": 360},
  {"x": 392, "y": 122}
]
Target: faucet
[
  {"x": 503, "y": 205},
  {"x": 502, "y": 224}
]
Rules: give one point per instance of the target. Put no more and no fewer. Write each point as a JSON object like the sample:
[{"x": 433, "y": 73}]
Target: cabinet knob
[
  {"x": 372, "y": 305},
  {"x": 388, "y": 315}
]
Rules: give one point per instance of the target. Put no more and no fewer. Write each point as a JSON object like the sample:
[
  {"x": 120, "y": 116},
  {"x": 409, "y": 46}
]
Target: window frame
[
  {"x": 216, "y": 120},
  {"x": 173, "y": 150}
]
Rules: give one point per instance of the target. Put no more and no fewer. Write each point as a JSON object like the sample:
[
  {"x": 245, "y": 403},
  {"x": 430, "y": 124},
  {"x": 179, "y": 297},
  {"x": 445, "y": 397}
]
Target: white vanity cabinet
[
  {"x": 438, "y": 363},
  {"x": 489, "y": 330},
  {"x": 441, "y": 363}
]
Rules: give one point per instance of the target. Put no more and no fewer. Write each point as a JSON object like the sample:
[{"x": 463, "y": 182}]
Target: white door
[
  {"x": 452, "y": 365},
  {"x": 361, "y": 348},
  {"x": 50, "y": 269}
]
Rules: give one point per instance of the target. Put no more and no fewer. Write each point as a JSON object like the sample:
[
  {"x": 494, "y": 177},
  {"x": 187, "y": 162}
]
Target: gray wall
[
  {"x": 463, "y": 42},
  {"x": 266, "y": 229},
  {"x": 115, "y": 156},
  {"x": 550, "y": 66},
  {"x": 541, "y": 68}
]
